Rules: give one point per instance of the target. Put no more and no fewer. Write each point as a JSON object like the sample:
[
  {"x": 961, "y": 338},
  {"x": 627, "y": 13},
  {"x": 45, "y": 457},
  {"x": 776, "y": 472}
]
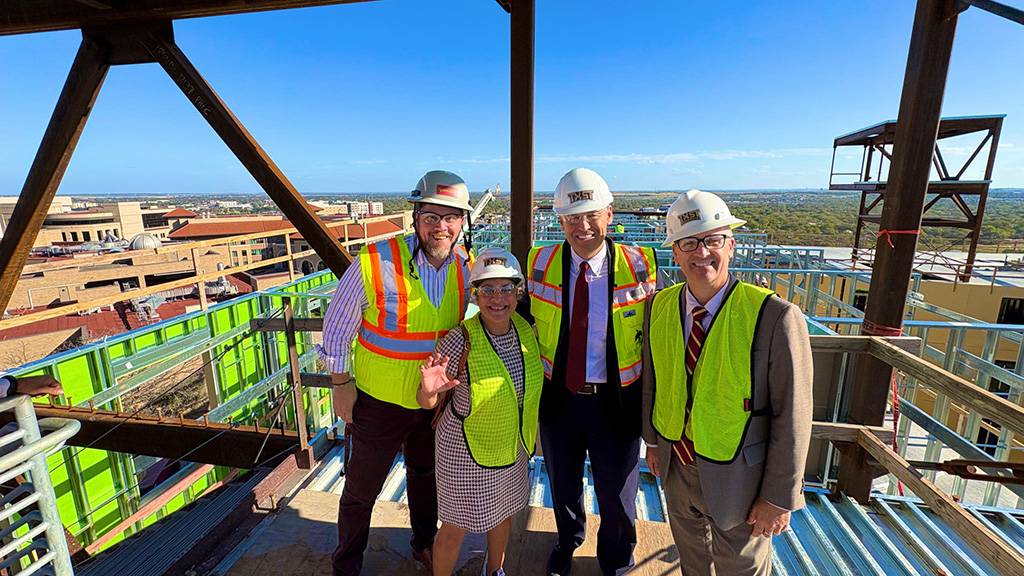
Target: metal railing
[{"x": 31, "y": 534}]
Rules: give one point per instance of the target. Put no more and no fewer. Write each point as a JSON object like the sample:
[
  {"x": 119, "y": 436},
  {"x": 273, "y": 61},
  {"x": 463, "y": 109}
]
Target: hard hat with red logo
[
  {"x": 696, "y": 212},
  {"x": 442, "y": 188}
]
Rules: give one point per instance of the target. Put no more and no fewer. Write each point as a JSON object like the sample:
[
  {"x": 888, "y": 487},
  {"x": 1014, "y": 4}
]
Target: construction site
[{"x": 200, "y": 438}]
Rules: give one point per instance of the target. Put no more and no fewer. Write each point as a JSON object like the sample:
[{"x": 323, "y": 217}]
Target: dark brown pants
[{"x": 379, "y": 430}]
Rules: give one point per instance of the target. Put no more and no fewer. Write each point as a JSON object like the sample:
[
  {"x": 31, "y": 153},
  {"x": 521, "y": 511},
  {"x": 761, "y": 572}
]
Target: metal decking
[{"x": 892, "y": 536}]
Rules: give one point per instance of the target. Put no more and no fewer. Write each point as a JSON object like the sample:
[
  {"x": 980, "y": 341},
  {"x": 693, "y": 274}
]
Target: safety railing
[{"x": 31, "y": 534}]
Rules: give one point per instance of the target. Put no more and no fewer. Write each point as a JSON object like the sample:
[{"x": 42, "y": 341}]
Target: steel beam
[
  {"x": 51, "y": 160},
  {"x": 190, "y": 440},
  {"x": 522, "y": 59},
  {"x": 249, "y": 152},
  {"x": 931, "y": 45},
  {"x": 305, "y": 454},
  {"x": 24, "y": 16}
]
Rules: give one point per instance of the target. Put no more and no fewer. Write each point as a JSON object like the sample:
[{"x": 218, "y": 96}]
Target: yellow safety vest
[
  {"x": 401, "y": 326},
  {"x": 496, "y": 424},
  {"x": 721, "y": 388},
  {"x": 635, "y": 277}
]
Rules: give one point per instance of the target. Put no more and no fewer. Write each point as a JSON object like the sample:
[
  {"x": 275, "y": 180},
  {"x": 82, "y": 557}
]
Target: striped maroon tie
[{"x": 684, "y": 447}]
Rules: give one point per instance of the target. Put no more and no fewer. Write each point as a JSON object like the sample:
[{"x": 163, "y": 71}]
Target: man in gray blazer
[{"x": 726, "y": 399}]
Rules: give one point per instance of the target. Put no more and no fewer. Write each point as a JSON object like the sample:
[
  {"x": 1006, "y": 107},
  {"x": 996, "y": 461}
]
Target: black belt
[{"x": 589, "y": 388}]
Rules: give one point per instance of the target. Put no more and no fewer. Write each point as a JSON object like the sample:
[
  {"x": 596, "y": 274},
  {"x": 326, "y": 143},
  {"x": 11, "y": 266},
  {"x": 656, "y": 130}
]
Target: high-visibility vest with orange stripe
[
  {"x": 635, "y": 276},
  {"x": 401, "y": 326}
]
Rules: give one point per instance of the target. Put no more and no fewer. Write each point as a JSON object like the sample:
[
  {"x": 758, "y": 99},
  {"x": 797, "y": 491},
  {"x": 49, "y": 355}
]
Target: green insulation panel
[{"x": 98, "y": 490}]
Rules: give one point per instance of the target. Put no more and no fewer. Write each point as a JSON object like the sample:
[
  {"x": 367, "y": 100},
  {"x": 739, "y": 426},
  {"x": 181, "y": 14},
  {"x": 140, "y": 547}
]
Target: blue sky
[{"x": 653, "y": 95}]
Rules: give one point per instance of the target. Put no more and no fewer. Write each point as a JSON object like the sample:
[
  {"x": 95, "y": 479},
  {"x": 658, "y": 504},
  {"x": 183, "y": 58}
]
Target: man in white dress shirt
[{"x": 586, "y": 300}]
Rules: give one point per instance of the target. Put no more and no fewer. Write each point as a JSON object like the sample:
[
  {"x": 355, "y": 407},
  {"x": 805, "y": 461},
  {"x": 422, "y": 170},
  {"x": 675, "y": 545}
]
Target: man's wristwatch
[{"x": 12, "y": 384}]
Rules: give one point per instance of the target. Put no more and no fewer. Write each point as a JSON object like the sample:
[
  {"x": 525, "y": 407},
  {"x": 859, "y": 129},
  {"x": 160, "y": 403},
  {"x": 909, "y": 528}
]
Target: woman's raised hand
[{"x": 434, "y": 373}]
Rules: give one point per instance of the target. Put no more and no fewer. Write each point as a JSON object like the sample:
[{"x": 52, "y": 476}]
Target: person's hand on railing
[{"x": 36, "y": 385}]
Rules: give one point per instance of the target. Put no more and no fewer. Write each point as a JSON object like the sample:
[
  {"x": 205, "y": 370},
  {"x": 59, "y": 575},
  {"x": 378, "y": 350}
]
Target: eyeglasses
[
  {"x": 432, "y": 218},
  {"x": 492, "y": 291},
  {"x": 712, "y": 242},
  {"x": 592, "y": 218}
]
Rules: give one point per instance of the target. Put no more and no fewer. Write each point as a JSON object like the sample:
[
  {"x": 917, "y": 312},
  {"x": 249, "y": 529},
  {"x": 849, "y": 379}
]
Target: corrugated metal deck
[{"x": 893, "y": 535}]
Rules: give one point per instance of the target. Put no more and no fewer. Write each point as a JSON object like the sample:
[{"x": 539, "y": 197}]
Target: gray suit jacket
[{"x": 774, "y": 452}]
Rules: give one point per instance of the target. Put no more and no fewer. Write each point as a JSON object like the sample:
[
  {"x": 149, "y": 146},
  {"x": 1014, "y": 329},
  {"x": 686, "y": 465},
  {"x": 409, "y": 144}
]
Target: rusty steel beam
[
  {"x": 522, "y": 76},
  {"x": 249, "y": 152},
  {"x": 51, "y": 160},
  {"x": 190, "y": 440},
  {"x": 305, "y": 454},
  {"x": 917, "y": 126},
  {"x": 25, "y": 16}
]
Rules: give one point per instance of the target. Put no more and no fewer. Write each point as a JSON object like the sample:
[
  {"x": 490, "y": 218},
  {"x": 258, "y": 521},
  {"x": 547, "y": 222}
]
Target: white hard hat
[
  {"x": 495, "y": 262},
  {"x": 696, "y": 212},
  {"x": 442, "y": 188},
  {"x": 581, "y": 190}
]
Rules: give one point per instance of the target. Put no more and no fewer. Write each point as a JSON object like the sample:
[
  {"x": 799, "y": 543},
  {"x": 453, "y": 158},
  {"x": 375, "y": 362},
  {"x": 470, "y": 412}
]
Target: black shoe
[{"x": 560, "y": 561}]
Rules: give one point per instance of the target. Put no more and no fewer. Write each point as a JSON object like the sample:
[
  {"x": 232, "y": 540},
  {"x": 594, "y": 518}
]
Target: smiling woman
[{"x": 486, "y": 434}]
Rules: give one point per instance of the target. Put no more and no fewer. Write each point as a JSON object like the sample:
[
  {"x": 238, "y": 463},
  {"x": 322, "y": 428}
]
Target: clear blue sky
[{"x": 654, "y": 95}]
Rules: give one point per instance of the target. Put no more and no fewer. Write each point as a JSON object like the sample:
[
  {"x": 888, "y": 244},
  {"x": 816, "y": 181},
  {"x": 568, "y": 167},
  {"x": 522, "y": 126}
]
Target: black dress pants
[
  {"x": 582, "y": 427},
  {"x": 379, "y": 430}
]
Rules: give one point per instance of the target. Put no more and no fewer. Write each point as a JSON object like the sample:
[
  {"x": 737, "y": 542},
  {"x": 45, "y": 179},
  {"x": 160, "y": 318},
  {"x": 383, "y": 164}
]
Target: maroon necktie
[
  {"x": 576, "y": 362},
  {"x": 684, "y": 448}
]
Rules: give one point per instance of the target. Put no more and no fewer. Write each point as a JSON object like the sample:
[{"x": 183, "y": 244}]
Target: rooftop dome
[{"x": 144, "y": 241}]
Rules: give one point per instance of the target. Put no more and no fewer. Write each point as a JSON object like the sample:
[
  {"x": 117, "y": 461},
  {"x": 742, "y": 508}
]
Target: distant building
[
  {"x": 358, "y": 208},
  {"x": 69, "y": 223}
]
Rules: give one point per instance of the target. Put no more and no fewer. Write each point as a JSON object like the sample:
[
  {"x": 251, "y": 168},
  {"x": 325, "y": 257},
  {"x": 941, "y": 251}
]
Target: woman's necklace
[{"x": 502, "y": 342}]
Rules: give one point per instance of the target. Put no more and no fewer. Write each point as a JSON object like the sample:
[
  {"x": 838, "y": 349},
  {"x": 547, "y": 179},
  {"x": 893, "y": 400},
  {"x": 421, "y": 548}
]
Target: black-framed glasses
[
  {"x": 712, "y": 242},
  {"x": 492, "y": 291},
  {"x": 432, "y": 218}
]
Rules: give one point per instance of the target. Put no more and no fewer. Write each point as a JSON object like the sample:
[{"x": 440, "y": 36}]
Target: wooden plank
[
  {"x": 861, "y": 344},
  {"x": 25, "y": 16},
  {"x": 842, "y": 432},
  {"x": 249, "y": 152},
  {"x": 66, "y": 124},
  {"x": 961, "y": 391},
  {"x": 917, "y": 126},
  {"x": 534, "y": 534},
  {"x": 301, "y": 539},
  {"x": 1006, "y": 558},
  {"x": 521, "y": 58}
]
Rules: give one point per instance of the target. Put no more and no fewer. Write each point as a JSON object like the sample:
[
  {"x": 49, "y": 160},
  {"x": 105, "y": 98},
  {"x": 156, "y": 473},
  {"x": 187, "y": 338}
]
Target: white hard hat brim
[
  {"x": 441, "y": 202},
  {"x": 702, "y": 228},
  {"x": 581, "y": 208},
  {"x": 496, "y": 276}
]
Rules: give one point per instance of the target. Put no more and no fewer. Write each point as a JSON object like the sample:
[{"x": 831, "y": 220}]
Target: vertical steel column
[
  {"x": 931, "y": 45},
  {"x": 66, "y": 124},
  {"x": 304, "y": 457},
  {"x": 972, "y": 251},
  {"x": 521, "y": 63}
]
